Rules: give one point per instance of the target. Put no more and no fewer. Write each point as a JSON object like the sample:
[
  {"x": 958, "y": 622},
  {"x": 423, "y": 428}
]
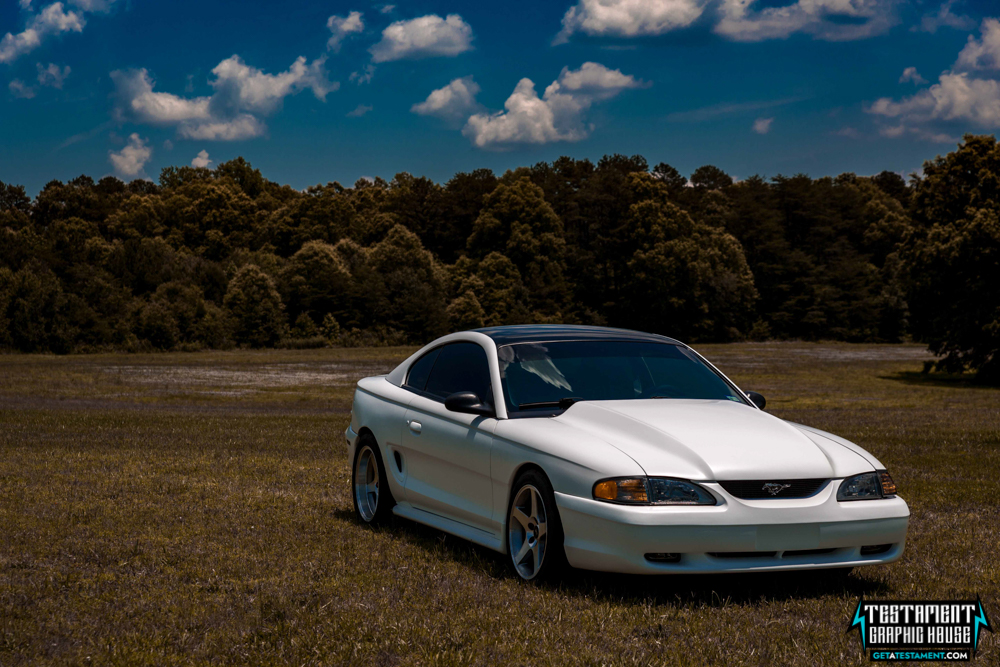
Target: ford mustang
[{"x": 614, "y": 450}]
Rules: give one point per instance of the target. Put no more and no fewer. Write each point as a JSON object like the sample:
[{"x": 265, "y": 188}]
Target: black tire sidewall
[{"x": 554, "y": 562}]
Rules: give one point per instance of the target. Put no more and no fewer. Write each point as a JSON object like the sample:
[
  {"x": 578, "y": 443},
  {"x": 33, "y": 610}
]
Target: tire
[
  {"x": 534, "y": 531},
  {"x": 373, "y": 499}
]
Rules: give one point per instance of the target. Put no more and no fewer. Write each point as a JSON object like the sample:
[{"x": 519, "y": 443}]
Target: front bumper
[{"x": 734, "y": 536}]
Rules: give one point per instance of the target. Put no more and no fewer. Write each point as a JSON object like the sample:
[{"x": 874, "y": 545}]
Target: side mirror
[
  {"x": 468, "y": 403},
  {"x": 757, "y": 399}
]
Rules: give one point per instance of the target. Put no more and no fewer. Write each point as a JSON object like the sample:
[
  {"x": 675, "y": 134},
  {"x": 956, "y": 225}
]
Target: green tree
[
  {"x": 408, "y": 286},
  {"x": 465, "y": 312},
  {"x": 315, "y": 280},
  {"x": 686, "y": 279},
  {"x": 255, "y": 308},
  {"x": 952, "y": 258},
  {"x": 710, "y": 177},
  {"x": 35, "y": 311},
  {"x": 517, "y": 221}
]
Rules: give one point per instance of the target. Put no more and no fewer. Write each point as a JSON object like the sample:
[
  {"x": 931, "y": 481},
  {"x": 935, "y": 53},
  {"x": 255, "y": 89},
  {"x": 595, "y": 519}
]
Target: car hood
[{"x": 712, "y": 440}]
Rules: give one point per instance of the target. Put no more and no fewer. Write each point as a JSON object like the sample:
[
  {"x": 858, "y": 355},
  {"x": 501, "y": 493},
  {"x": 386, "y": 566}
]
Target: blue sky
[{"x": 314, "y": 92}]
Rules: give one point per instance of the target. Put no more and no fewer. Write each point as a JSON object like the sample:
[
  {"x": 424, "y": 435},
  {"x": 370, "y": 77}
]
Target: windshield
[{"x": 540, "y": 378}]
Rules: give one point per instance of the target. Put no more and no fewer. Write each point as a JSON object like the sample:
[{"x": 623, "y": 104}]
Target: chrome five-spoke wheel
[
  {"x": 366, "y": 483},
  {"x": 527, "y": 531}
]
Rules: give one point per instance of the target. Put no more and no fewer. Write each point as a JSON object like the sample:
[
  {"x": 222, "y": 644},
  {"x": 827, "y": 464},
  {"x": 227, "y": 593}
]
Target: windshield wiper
[{"x": 562, "y": 403}]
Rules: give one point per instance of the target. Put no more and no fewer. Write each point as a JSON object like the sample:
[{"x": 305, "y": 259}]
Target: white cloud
[
  {"x": 832, "y": 20},
  {"x": 246, "y": 88},
  {"x": 944, "y": 18},
  {"x": 897, "y": 131},
  {"x": 387, "y": 9},
  {"x": 342, "y": 27},
  {"x": 201, "y": 160},
  {"x": 53, "y": 20},
  {"x": 762, "y": 125},
  {"x": 423, "y": 37},
  {"x": 453, "y": 102},
  {"x": 961, "y": 96},
  {"x": 25, "y": 4},
  {"x": 629, "y": 18},
  {"x": 130, "y": 160},
  {"x": 21, "y": 90},
  {"x": 364, "y": 76},
  {"x": 956, "y": 97},
  {"x": 244, "y": 126},
  {"x": 911, "y": 74},
  {"x": 359, "y": 111},
  {"x": 137, "y": 102},
  {"x": 982, "y": 54},
  {"x": 52, "y": 75},
  {"x": 556, "y": 116},
  {"x": 243, "y": 95},
  {"x": 593, "y": 80}
]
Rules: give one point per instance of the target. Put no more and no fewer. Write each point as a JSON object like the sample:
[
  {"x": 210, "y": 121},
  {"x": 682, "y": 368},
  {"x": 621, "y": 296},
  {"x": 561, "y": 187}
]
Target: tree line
[{"x": 215, "y": 258}]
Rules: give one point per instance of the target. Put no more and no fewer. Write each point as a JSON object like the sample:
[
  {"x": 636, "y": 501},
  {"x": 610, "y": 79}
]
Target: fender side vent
[
  {"x": 399, "y": 461},
  {"x": 875, "y": 549}
]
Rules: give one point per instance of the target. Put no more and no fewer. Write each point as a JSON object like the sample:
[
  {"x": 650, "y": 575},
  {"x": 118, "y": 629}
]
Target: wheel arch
[{"x": 518, "y": 470}]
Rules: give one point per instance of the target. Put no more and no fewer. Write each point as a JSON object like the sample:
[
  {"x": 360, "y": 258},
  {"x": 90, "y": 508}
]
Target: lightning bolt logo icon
[
  {"x": 980, "y": 619},
  {"x": 859, "y": 619}
]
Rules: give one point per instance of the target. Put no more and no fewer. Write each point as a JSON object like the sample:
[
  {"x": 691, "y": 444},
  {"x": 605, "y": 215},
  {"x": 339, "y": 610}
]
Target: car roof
[{"x": 547, "y": 333}]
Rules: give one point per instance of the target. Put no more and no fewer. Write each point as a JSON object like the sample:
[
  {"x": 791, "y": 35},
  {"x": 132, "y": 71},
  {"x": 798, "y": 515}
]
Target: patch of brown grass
[{"x": 194, "y": 508}]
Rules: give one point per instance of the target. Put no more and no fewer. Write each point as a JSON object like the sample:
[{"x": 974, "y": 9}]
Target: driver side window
[{"x": 460, "y": 367}]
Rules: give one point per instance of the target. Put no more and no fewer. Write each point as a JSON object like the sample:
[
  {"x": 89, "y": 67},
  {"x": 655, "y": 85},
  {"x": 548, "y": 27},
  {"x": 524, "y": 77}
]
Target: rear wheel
[
  {"x": 373, "y": 500},
  {"x": 534, "y": 531}
]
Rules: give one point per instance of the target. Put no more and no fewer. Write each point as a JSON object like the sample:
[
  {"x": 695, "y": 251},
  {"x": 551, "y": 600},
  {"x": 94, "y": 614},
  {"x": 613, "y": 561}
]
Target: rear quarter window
[{"x": 420, "y": 370}]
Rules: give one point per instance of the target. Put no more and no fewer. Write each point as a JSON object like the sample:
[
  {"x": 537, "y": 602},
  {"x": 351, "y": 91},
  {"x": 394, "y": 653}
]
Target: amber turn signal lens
[
  {"x": 888, "y": 486},
  {"x": 607, "y": 490},
  {"x": 628, "y": 490}
]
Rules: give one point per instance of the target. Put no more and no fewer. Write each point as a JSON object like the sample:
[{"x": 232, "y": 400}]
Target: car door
[{"x": 447, "y": 454}]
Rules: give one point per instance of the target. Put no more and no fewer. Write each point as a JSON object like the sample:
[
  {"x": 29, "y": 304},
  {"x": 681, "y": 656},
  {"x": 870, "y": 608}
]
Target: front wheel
[
  {"x": 373, "y": 500},
  {"x": 534, "y": 531}
]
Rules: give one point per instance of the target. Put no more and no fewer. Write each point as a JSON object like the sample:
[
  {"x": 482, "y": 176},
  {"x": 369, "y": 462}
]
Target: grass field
[{"x": 194, "y": 508}]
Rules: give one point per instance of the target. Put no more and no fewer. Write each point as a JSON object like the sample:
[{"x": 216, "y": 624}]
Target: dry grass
[{"x": 178, "y": 509}]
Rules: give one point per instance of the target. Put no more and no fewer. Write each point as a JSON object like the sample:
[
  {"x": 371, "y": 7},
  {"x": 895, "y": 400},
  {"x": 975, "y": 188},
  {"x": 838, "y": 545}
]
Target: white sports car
[{"x": 611, "y": 450}]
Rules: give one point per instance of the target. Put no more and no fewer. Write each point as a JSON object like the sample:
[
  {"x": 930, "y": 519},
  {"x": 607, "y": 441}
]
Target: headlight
[
  {"x": 651, "y": 491},
  {"x": 868, "y": 486}
]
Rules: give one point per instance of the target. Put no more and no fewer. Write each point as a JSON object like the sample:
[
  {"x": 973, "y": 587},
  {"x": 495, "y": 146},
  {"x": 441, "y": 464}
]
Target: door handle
[{"x": 415, "y": 426}]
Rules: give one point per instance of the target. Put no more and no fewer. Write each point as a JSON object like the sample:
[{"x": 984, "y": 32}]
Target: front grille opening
[
  {"x": 663, "y": 558},
  {"x": 808, "y": 552},
  {"x": 758, "y": 489},
  {"x": 742, "y": 554},
  {"x": 875, "y": 549}
]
